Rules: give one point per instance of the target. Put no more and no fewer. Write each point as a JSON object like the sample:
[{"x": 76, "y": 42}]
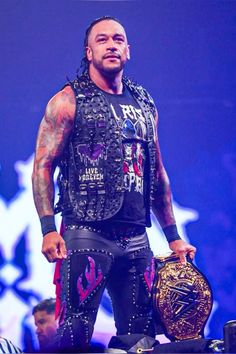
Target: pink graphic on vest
[
  {"x": 149, "y": 275},
  {"x": 93, "y": 280}
]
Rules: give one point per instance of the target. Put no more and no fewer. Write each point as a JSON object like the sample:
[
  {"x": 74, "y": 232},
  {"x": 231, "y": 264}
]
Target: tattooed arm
[
  {"x": 163, "y": 211},
  {"x": 53, "y": 134}
]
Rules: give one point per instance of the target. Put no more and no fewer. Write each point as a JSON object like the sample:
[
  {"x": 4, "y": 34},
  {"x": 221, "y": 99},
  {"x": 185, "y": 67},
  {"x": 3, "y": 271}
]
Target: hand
[
  {"x": 53, "y": 247},
  {"x": 182, "y": 248}
]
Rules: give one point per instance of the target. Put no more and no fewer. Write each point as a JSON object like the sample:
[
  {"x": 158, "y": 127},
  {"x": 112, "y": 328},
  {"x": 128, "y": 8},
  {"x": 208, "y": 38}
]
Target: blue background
[{"x": 183, "y": 52}]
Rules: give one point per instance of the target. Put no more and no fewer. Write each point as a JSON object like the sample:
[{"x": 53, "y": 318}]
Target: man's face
[
  {"x": 46, "y": 327},
  {"x": 107, "y": 49}
]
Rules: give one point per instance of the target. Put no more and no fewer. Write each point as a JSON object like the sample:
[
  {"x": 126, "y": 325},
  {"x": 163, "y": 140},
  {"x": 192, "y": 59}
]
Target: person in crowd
[{"x": 46, "y": 324}]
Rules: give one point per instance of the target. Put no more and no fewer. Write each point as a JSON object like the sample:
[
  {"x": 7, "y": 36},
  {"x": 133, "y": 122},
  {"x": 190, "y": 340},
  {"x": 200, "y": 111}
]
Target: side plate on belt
[{"x": 182, "y": 298}]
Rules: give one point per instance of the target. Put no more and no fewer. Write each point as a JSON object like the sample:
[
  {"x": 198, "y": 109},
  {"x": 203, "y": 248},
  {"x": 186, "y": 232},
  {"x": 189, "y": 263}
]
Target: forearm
[
  {"x": 43, "y": 193},
  {"x": 162, "y": 203},
  {"x": 43, "y": 190}
]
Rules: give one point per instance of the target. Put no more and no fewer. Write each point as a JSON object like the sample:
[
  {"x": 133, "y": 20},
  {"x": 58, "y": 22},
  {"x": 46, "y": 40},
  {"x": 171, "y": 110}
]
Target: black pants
[{"x": 96, "y": 260}]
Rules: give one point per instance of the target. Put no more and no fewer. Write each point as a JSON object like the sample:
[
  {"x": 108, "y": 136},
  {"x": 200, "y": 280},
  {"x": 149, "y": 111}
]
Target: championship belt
[{"x": 182, "y": 298}]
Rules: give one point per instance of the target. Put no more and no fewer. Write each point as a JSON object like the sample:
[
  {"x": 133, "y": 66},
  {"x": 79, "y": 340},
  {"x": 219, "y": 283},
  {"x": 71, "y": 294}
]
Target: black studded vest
[{"x": 91, "y": 168}]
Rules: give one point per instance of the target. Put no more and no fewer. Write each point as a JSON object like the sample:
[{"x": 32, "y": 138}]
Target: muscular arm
[
  {"x": 162, "y": 203},
  {"x": 52, "y": 136},
  {"x": 162, "y": 208}
]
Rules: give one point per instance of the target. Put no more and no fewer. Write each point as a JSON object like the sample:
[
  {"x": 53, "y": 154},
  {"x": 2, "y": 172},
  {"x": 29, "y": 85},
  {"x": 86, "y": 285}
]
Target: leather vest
[{"x": 91, "y": 168}]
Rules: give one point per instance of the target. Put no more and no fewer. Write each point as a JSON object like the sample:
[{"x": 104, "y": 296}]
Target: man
[
  {"x": 46, "y": 324},
  {"x": 100, "y": 129}
]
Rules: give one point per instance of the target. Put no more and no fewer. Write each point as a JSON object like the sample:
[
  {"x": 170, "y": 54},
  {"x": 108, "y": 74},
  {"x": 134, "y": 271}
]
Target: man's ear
[{"x": 89, "y": 53}]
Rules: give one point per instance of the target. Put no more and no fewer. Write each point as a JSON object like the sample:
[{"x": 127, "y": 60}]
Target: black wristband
[
  {"x": 171, "y": 233},
  {"x": 48, "y": 224}
]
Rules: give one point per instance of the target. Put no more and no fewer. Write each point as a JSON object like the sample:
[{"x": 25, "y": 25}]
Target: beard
[{"x": 109, "y": 69}]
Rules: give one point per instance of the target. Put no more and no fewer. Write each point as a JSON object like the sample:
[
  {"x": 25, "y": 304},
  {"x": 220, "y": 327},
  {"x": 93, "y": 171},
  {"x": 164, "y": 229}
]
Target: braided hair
[{"x": 84, "y": 62}]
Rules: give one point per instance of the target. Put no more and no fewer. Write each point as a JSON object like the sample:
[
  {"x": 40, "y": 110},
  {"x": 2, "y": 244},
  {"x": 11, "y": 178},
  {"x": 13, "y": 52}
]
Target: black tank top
[{"x": 132, "y": 124}]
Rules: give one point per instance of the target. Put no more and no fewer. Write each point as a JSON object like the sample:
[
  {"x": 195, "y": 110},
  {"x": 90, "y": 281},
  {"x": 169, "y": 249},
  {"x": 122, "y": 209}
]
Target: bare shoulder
[{"x": 62, "y": 105}]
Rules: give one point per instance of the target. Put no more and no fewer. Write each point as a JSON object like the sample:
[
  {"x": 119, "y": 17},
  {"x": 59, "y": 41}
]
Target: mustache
[{"x": 111, "y": 54}]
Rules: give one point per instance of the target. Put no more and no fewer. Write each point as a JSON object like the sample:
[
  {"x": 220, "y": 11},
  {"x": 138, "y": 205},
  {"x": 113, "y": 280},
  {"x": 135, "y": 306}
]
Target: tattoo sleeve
[
  {"x": 53, "y": 134},
  {"x": 162, "y": 203}
]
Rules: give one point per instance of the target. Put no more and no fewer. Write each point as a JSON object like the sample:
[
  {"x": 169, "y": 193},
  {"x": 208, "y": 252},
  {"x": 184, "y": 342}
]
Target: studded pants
[{"x": 123, "y": 265}]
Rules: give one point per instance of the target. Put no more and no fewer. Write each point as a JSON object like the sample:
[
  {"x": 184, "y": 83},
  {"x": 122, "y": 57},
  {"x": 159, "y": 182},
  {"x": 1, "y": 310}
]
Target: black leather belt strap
[{"x": 110, "y": 230}]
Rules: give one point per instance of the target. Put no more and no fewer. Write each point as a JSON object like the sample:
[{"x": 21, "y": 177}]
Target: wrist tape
[
  {"x": 48, "y": 224},
  {"x": 171, "y": 233}
]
